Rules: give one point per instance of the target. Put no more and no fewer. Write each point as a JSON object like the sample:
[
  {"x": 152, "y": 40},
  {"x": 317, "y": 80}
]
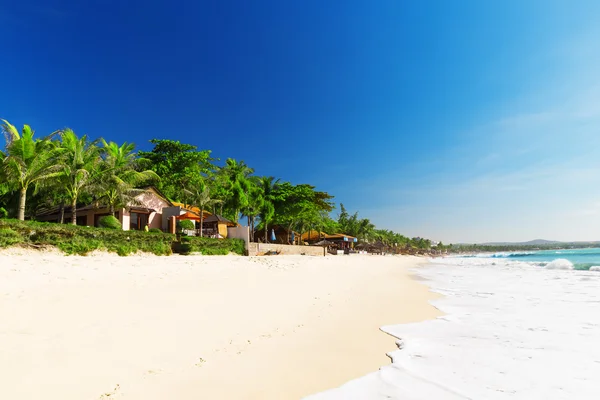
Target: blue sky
[{"x": 459, "y": 121}]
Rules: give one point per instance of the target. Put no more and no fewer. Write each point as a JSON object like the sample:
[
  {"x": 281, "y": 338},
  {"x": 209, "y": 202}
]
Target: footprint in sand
[{"x": 110, "y": 395}]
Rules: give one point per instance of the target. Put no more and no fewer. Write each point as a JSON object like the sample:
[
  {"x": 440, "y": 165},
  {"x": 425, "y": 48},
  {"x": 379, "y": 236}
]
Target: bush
[
  {"x": 154, "y": 230},
  {"x": 8, "y": 237},
  {"x": 186, "y": 224},
  {"x": 110, "y": 222},
  {"x": 3, "y": 212},
  {"x": 211, "y": 246},
  {"x": 82, "y": 240}
]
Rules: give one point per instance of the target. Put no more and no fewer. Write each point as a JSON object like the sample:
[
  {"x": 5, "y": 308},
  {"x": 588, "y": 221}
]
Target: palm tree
[
  {"x": 81, "y": 159},
  {"x": 268, "y": 185},
  {"x": 28, "y": 161},
  {"x": 120, "y": 177},
  {"x": 236, "y": 176},
  {"x": 199, "y": 196},
  {"x": 4, "y": 188},
  {"x": 365, "y": 229}
]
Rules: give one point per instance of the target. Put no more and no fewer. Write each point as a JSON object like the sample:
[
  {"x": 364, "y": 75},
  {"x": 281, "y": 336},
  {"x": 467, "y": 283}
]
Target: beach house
[{"x": 146, "y": 209}]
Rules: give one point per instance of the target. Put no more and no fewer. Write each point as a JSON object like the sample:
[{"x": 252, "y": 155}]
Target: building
[{"x": 147, "y": 209}]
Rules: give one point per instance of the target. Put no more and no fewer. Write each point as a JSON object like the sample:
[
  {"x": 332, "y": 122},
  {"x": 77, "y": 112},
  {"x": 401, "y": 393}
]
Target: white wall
[{"x": 239, "y": 232}]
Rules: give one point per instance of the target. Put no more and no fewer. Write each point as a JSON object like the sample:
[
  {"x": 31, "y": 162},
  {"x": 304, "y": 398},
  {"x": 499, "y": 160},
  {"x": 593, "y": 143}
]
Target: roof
[
  {"x": 218, "y": 218},
  {"x": 189, "y": 216},
  {"x": 312, "y": 234},
  {"x": 97, "y": 206},
  {"x": 317, "y": 235},
  {"x": 191, "y": 208},
  {"x": 158, "y": 193}
]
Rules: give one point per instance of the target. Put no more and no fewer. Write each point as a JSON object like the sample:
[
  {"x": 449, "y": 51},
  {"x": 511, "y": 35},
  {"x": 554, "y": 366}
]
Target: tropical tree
[
  {"x": 4, "y": 188},
  {"x": 80, "y": 159},
  {"x": 255, "y": 204},
  {"x": 120, "y": 178},
  {"x": 238, "y": 185},
  {"x": 361, "y": 228},
  {"x": 178, "y": 164},
  {"x": 268, "y": 186},
  {"x": 199, "y": 196},
  {"x": 300, "y": 205},
  {"x": 27, "y": 161}
]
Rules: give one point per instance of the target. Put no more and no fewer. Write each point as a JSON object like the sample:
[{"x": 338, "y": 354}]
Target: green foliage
[
  {"x": 120, "y": 176},
  {"x": 352, "y": 225},
  {"x": 300, "y": 205},
  {"x": 27, "y": 161},
  {"x": 211, "y": 246},
  {"x": 48, "y": 172},
  {"x": 80, "y": 162},
  {"x": 109, "y": 222},
  {"x": 3, "y": 212},
  {"x": 186, "y": 224},
  {"x": 154, "y": 230},
  {"x": 234, "y": 177},
  {"x": 177, "y": 164},
  {"x": 83, "y": 240},
  {"x": 8, "y": 237}
]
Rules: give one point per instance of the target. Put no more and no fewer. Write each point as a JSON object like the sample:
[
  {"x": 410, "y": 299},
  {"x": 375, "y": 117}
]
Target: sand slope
[{"x": 139, "y": 327}]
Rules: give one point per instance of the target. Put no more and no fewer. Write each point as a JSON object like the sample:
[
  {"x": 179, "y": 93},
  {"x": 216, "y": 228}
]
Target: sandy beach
[{"x": 145, "y": 327}]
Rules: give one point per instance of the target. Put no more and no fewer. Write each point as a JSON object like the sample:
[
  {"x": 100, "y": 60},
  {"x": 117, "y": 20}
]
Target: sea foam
[
  {"x": 512, "y": 331},
  {"x": 560, "y": 263}
]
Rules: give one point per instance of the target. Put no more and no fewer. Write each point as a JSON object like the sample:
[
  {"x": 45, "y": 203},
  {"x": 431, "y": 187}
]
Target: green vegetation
[
  {"x": 186, "y": 225},
  {"x": 82, "y": 240},
  {"x": 209, "y": 246},
  {"x": 109, "y": 222},
  {"x": 154, "y": 230},
  {"x": 8, "y": 237},
  {"x": 507, "y": 247},
  {"x": 63, "y": 170}
]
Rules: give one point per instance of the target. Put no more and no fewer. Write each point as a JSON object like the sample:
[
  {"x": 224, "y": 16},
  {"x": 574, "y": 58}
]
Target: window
[{"x": 138, "y": 221}]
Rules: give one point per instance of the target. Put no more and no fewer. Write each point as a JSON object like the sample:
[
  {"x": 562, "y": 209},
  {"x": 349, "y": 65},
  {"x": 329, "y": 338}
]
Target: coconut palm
[
  {"x": 119, "y": 176},
  {"x": 4, "y": 188},
  {"x": 255, "y": 203},
  {"x": 268, "y": 185},
  {"x": 80, "y": 159},
  {"x": 199, "y": 196},
  {"x": 236, "y": 180},
  {"x": 27, "y": 161}
]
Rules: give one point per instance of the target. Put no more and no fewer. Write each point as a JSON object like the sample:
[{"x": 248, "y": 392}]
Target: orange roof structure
[
  {"x": 192, "y": 210},
  {"x": 318, "y": 235},
  {"x": 190, "y": 216},
  {"x": 313, "y": 235}
]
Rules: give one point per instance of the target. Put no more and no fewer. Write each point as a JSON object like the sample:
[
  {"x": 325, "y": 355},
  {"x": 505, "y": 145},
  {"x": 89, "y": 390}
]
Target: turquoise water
[{"x": 581, "y": 259}]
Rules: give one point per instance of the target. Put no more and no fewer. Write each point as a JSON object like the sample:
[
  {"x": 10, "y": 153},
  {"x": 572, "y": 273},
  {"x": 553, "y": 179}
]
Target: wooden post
[{"x": 173, "y": 224}]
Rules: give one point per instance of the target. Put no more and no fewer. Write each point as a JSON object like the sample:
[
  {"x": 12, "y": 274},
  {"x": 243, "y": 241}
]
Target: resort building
[
  {"x": 151, "y": 209},
  {"x": 147, "y": 209}
]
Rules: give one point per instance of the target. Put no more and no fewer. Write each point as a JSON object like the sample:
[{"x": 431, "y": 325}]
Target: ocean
[{"x": 516, "y": 326}]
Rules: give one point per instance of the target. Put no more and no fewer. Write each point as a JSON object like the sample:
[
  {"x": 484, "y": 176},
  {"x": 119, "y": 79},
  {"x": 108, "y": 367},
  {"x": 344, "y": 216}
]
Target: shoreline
[{"x": 189, "y": 327}]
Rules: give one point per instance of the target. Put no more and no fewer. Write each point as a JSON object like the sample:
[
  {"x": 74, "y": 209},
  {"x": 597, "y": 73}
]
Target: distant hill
[{"x": 535, "y": 242}]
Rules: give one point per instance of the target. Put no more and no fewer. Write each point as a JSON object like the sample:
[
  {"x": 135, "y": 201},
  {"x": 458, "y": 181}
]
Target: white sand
[
  {"x": 512, "y": 331},
  {"x": 106, "y": 327}
]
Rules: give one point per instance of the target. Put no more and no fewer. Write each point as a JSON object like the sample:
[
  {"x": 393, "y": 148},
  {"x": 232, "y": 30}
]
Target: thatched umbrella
[{"x": 323, "y": 243}]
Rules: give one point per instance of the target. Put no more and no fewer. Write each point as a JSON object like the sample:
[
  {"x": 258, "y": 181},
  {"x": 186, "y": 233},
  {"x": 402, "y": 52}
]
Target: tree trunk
[
  {"x": 266, "y": 232},
  {"x": 22, "y": 199},
  {"x": 74, "y": 211},
  {"x": 112, "y": 210},
  {"x": 202, "y": 220},
  {"x": 62, "y": 213},
  {"x": 250, "y": 227}
]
